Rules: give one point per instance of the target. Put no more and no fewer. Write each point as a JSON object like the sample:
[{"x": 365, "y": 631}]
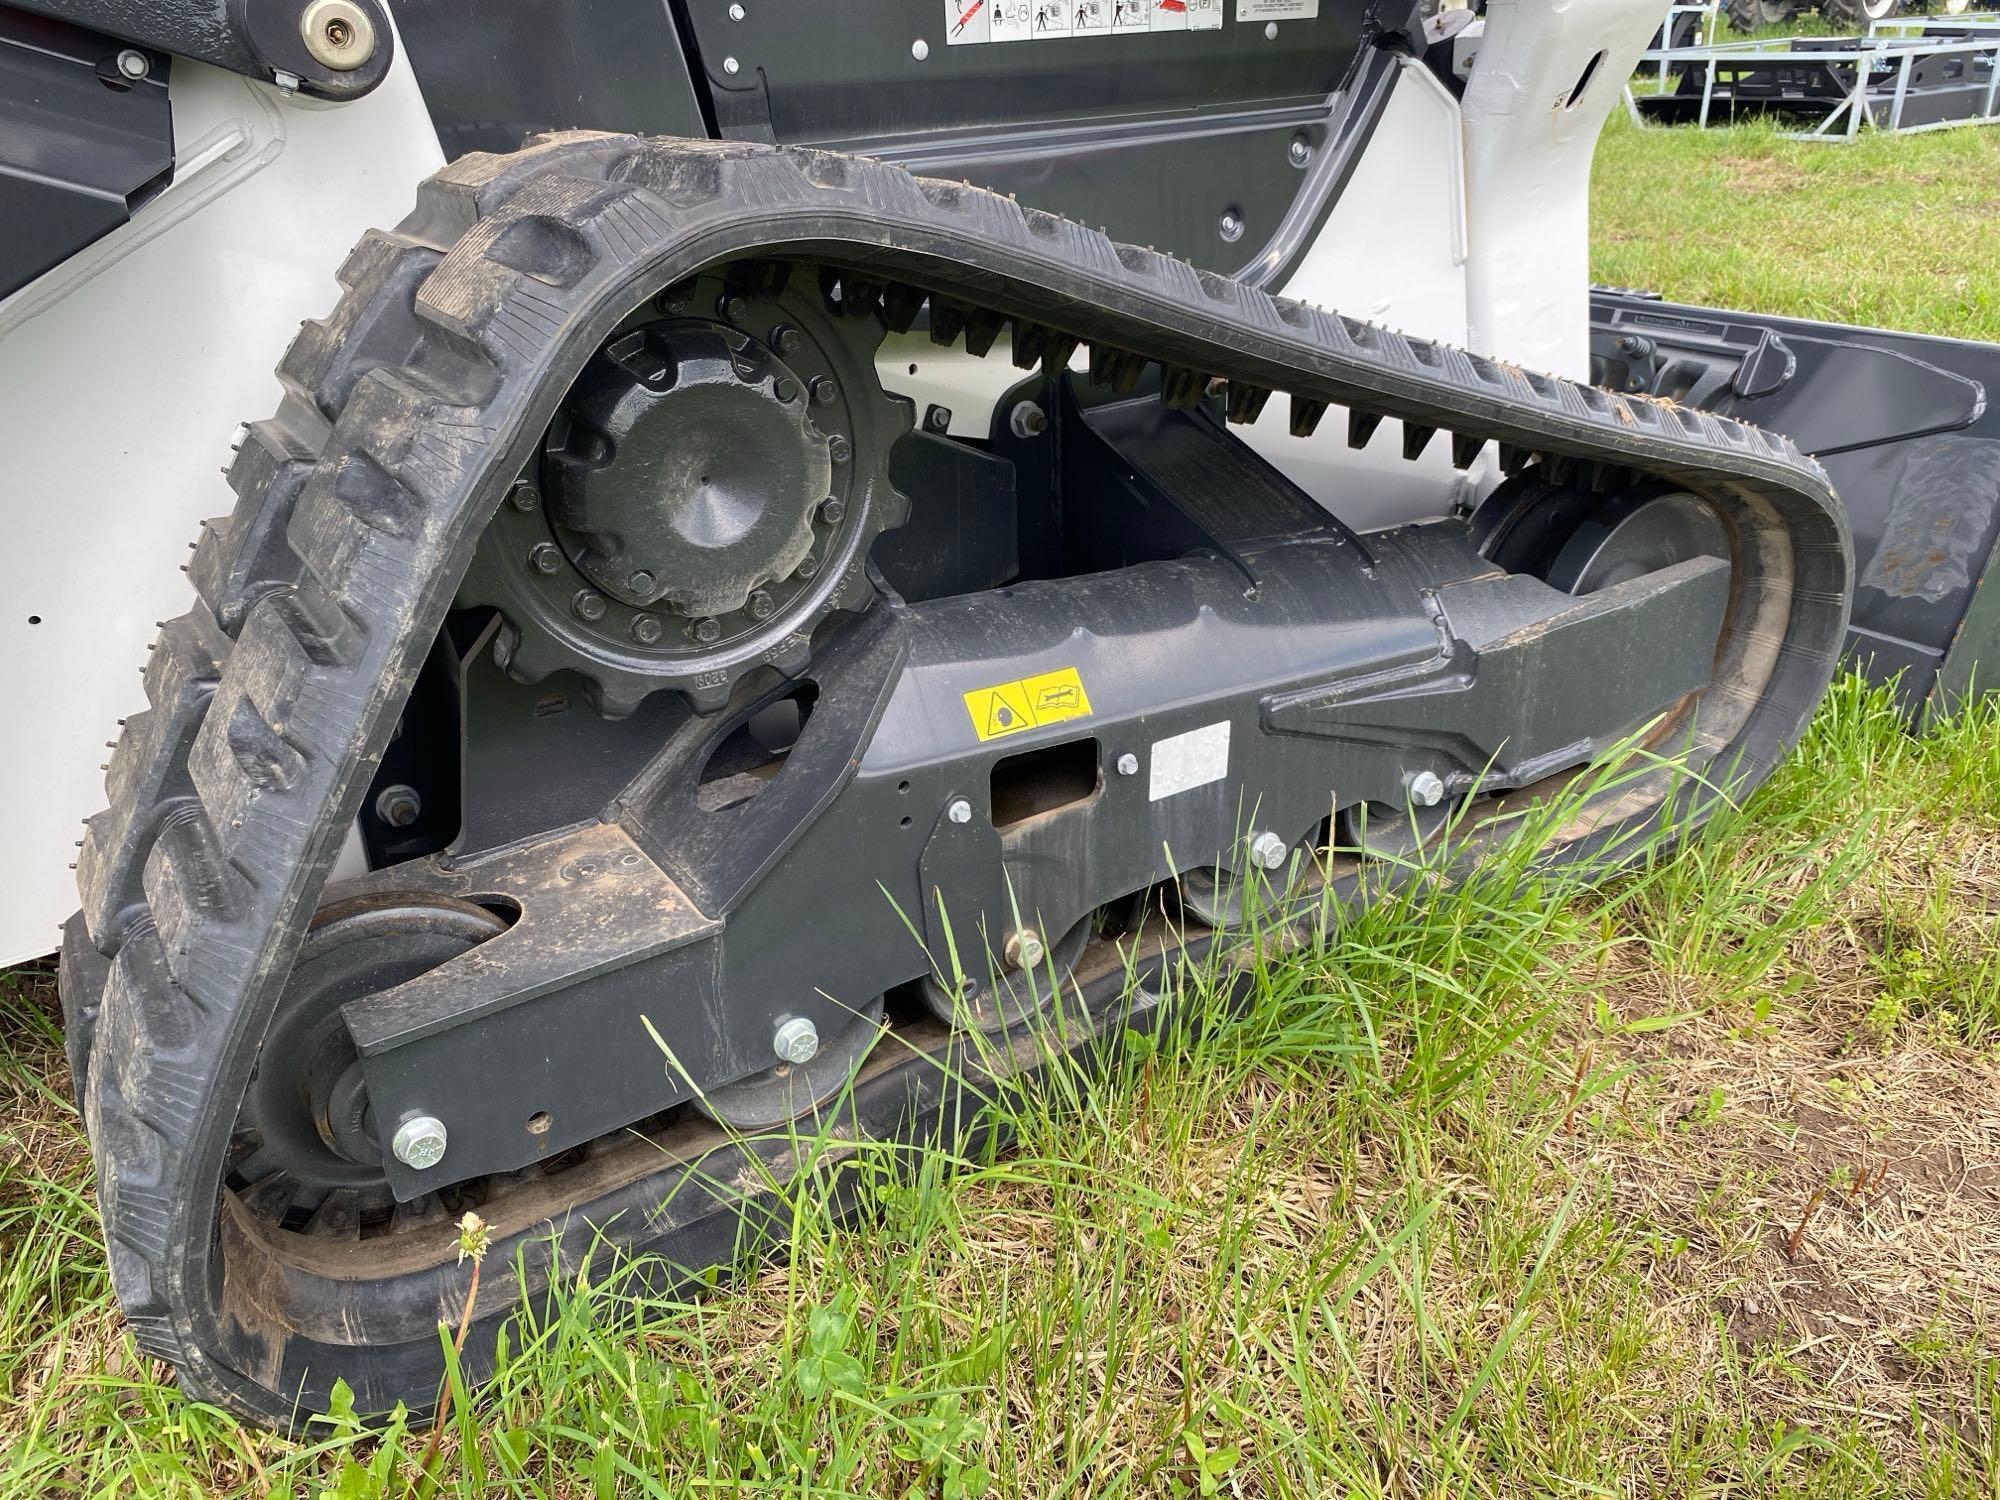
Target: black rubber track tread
[{"x": 406, "y": 411}]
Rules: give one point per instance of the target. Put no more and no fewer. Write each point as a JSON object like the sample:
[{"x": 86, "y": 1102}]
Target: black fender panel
[{"x": 1909, "y": 434}]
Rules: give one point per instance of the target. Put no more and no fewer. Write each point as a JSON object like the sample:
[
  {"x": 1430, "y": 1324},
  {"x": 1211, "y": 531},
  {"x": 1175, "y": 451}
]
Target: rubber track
[{"x": 359, "y": 501}]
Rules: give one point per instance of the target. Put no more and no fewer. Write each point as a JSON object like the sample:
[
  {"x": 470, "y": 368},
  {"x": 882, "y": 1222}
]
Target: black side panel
[
  {"x": 1909, "y": 435},
  {"x": 81, "y": 145},
  {"x": 1182, "y": 139},
  {"x": 1224, "y": 145},
  {"x": 496, "y": 71}
]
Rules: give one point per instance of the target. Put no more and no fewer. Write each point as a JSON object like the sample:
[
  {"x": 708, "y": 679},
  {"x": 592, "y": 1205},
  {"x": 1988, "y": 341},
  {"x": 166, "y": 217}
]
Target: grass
[
  {"x": 1681, "y": 1187},
  {"x": 1888, "y": 231}
]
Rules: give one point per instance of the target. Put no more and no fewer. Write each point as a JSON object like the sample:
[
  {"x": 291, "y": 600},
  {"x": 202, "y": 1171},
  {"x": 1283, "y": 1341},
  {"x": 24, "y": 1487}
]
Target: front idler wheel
[{"x": 305, "y": 1156}]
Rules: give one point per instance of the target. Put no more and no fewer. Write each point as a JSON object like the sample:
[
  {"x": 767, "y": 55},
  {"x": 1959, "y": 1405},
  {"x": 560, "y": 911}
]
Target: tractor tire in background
[
  {"x": 1750, "y": 15},
  {"x": 1854, "y": 15}
]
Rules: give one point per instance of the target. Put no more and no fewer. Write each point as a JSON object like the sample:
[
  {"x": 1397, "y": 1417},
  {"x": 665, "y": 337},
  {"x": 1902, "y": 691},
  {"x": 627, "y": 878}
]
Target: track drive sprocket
[{"x": 704, "y": 499}]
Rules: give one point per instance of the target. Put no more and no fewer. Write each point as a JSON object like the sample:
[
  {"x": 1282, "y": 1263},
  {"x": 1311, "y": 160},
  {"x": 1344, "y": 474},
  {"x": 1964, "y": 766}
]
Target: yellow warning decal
[{"x": 1010, "y": 707}]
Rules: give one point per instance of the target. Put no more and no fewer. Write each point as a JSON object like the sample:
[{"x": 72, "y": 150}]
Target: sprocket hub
[{"x": 706, "y": 495}]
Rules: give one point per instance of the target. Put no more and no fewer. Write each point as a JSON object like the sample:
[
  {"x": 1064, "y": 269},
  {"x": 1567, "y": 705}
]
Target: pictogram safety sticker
[{"x": 1027, "y": 703}]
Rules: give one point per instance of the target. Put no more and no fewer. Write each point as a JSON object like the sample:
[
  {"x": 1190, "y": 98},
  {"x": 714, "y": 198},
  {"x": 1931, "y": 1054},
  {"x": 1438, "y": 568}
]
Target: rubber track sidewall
[{"x": 540, "y": 254}]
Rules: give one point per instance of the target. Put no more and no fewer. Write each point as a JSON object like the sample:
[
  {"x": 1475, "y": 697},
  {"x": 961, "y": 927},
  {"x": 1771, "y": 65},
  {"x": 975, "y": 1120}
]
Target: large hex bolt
[
  {"x": 588, "y": 606},
  {"x": 338, "y": 34},
  {"x": 1425, "y": 789},
  {"x": 419, "y": 1142},
  {"x": 1268, "y": 851},
  {"x": 831, "y": 509},
  {"x": 546, "y": 557},
  {"x": 647, "y": 629},
  {"x": 796, "y": 1040},
  {"x": 959, "y": 810},
  {"x": 1024, "y": 949},
  {"x": 761, "y": 605}
]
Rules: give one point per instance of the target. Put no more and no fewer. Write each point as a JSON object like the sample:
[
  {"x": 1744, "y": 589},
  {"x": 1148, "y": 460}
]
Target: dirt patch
[
  {"x": 1825, "y": 1201},
  {"x": 1765, "y": 174}
]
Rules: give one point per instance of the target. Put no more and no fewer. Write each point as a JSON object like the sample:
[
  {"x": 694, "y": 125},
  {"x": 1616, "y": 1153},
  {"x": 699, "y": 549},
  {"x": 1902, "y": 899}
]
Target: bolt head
[
  {"x": 735, "y": 309},
  {"x": 1231, "y": 227},
  {"x": 784, "y": 389},
  {"x": 808, "y": 567},
  {"x": 134, "y": 64},
  {"x": 707, "y": 630},
  {"x": 1300, "y": 151},
  {"x": 823, "y": 390},
  {"x": 419, "y": 1142},
  {"x": 546, "y": 557},
  {"x": 399, "y": 806},
  {"x": 731, "y": 66},
  {"x": 831, "y": 509},
  {"x": 796, "y": 1040},
  {"x": 1128, "y": 764},
  {"x": 338, "y": 34},
  {"x": 647, "y": 629},
  {"x": 640, "y": 582},
  {"x": 938, "y": 419},
  {"x": 588, "y": 605},
  {"x": 787, "y": 340},
  {"x": 761, "y": 605},
  {"x": 1425, "y": 789},
  {"x": 1270, "y": 31},
  {"x": 1024, "y": 949},
  {"x": 735, "y": 12},
  {"x": 1268, "y": 851},
  {"x": 960, "y": 811},
  {"x": 522, "y": 496},
  {"x": 1028, "y": 420},
  {"x": 920, "y": 49},
  {"x": 838, "y": 449}
]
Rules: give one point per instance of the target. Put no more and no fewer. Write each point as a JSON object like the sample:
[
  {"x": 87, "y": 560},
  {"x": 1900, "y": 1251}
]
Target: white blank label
[{"x": 1184, "y": 761}]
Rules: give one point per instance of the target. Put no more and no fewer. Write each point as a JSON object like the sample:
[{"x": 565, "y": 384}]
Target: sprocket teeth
[
  {"x": 706, "y": 697},
  {"x": 525, "y": 658},
  {"x": 616, "y": 697},
  {"x": 792, "y": 655}
]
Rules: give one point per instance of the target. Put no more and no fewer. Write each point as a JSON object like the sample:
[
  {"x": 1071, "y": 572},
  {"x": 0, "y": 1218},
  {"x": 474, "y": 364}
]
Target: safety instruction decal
[
  {"x": 968, "y": 21},
  {"x": 1276, "y": 10},
  {"x": 1010, "y": 707}
]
